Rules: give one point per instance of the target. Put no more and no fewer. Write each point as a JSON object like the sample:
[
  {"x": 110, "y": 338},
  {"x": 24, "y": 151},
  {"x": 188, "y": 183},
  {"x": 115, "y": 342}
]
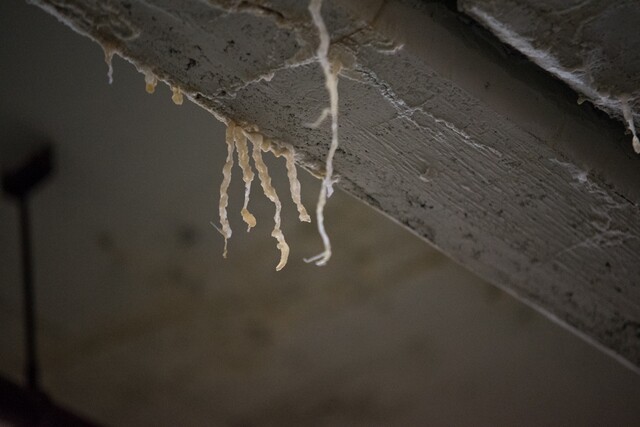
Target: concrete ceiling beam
[{"x": 443, "y": 128}]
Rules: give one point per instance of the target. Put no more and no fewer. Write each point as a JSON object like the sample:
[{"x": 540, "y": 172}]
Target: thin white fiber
[{"x": 331, "y": 83}]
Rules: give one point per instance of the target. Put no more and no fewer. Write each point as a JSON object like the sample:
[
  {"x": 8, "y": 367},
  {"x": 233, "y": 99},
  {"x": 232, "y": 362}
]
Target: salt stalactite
[
  {"x": 247, "y": 174},
  {"x": 265, "y": 180},
  {"x": 151, "y": 81},
  {"x": 108, "y": 59},
  {"x": 628, "y": 116},
  {"x": 224, "y": 187},
  {"x": 331, "y": 83},
  {"x": 294, "y": 184},
  {"x": 177, "y": 97}
]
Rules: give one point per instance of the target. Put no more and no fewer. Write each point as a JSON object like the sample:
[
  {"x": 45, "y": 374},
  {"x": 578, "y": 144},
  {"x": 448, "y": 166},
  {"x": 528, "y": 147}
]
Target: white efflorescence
[
  {"x": 628, "y": 116},
  {"x": 224, "y": 187},
  {"x": 265, "y": 180},
  {"x": 247, "y": 174},
  {"x": 237, "y": 138},
  {"x": 331, "y": 83}
]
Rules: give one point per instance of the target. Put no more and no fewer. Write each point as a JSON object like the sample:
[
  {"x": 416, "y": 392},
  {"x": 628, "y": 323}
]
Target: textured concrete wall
[{"x": 476, "y": 151}]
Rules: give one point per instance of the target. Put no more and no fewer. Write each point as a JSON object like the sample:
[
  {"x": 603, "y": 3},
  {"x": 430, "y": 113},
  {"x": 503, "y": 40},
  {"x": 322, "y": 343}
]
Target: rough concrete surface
[{"x": 478, "y": 152}]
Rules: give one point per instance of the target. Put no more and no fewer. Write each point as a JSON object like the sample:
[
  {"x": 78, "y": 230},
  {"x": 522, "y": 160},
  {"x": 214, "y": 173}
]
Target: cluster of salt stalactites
[{"x": 236, "y": 137}]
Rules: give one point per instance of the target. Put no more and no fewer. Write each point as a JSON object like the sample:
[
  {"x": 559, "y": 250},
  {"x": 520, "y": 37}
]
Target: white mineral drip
[
  {"x": 177, "y": 97},
  {"x": 331, "y": 83},
  {"x": 247, "y": 175},
  {"x": 265, "y": 180},
  {"x": 224, "y": 187},
  {"x": 151, "y": 81},
  {"x": 108, "y": 59},
  {"x": 628, "y": 116}
]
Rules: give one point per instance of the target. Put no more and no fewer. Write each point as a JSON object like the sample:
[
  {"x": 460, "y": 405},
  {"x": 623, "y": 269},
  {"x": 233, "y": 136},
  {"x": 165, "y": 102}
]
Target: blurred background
[{"x": 142, "y": 323}]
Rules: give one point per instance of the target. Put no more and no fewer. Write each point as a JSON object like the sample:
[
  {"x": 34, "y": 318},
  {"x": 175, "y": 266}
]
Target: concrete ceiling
[{"x": 142, "y": 322}]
